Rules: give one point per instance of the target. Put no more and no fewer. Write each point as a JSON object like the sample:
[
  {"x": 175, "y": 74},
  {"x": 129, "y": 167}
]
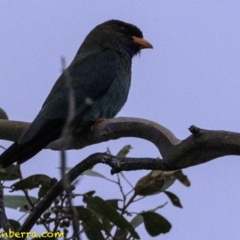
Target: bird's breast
[{"x": 111, "y": 103}]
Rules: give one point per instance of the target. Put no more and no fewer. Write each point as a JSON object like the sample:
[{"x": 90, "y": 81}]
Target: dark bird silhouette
[{"x": 99, "y": 76}]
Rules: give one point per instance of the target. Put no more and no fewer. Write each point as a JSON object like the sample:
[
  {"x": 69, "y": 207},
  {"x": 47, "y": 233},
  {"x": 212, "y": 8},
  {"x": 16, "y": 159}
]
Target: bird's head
[{"x": 117, "y": 35}]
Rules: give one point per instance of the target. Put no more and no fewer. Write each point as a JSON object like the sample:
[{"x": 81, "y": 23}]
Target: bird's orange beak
[{"x": 142, "y": 42}]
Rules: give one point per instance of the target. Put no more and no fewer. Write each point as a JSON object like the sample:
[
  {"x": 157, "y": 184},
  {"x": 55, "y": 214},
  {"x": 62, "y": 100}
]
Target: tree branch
[
  {"x": 201, "y": 146},
  {"x": 117, "y": 164}
]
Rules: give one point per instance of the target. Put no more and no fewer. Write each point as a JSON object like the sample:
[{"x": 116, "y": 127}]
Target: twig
[{"x": 4, "y": 222}]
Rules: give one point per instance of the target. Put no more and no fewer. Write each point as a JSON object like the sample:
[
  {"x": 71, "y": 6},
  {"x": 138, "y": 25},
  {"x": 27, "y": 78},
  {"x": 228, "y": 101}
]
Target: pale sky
[{"x": 191, "y": 76}]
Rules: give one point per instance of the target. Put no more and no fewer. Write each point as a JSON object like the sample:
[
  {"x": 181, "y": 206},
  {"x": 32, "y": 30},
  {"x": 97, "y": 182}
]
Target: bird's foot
[{"x": 98, "y": 120}]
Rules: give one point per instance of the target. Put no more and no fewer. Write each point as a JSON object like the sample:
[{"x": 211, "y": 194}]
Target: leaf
[
  {"x": 158, "y": 207},
  {"x": 105, "y": 210},
  {"x": 3, "y": 114},
  {"x": 92, "y": 233},
  {"x": 153, "y": 183},
  {"x": 124, "y": 151},
  {"x": 89, "y": 193},
  {"x": 138, "y": 219},
  {"x": 149, "y": 185},
  {"x": 10, "y": 173},
  {"x": 17, "y": 202},
  {"x": 92, "y": 173},
  {"x": 113, "y": 202},
  {"x": 46, "y": 187},
  {"x": 155, "y": 224},
  {"x": 92, "y": 224},
  {"x": 14, "y": 224},
  {"x": 174, "y": 199},
  {"x": 182, "y": 178},
  {"x": 34, "y": 181},
  {"x": 83, "y": 213}
]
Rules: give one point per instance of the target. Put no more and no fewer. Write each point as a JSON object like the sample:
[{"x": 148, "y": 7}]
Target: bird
[{"x": 100, "y": 78}]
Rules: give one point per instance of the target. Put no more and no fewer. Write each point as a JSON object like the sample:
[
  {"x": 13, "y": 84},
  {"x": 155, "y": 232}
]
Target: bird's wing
[{"x": 90, "y": 77}]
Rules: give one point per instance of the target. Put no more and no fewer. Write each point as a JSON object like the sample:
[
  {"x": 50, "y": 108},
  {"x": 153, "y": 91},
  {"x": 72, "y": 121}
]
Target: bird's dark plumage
[{"x": 99, "y": 76}]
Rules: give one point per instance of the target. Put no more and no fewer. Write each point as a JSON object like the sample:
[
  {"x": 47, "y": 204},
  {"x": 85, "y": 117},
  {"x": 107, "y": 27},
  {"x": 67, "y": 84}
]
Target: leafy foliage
[{"x": 97, "y": 218}]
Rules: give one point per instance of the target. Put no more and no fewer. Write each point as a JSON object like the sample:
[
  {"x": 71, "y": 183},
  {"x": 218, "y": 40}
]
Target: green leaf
[
  {"x": 138, "y": 219},
  {"x": 85, "y": 215},
  {"x": 149, "y": 184},
  {"x": 105, "y": 210},
  {"x": 174, "y": 199},
  {"x": 92, "y": 233},
  {"x": 10, "y": 173},
  {"x": 3, "y": 114},
  {"x": 92, "y": 225},
  {"x": 34, "y": 181},
  {"x": 14, "y": 224},
  {"x": 46, "y": 187},
  {"x": 121, "y": 234},
  {"x": 17, "y": 202},
  {"x": 89, "y": 193},
  {"x": 155, "y": 182},
  {"x": 92, "y": 173},
  {"x": 113, "y": 202},
  {"x": 155, "y": 224},
  {"x": 182, "y": 178},
  {"x": 124, "y": 151},
  {"x": 158, "y": 207}
]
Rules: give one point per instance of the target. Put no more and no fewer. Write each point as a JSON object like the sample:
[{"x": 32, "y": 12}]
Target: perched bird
[{"x": 100, "y": 77}]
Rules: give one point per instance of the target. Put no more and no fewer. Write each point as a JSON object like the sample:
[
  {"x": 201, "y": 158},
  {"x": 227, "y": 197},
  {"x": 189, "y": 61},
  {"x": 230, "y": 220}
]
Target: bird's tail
[
  {"x": 23, "y": 150},
  {"x": 18, "y": 153}
]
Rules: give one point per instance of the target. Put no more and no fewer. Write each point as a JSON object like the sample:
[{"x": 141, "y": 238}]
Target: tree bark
[{"x": 200, "y": 147}]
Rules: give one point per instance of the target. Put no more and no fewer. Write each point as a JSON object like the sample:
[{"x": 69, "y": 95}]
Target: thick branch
[{"x": 201, "y": 146}]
